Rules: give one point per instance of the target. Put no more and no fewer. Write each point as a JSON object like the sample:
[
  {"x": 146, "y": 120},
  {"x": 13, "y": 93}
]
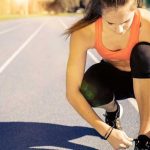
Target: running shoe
[
  {"x": 142, "y": 143},
  {"x": 113, "y": 118}
]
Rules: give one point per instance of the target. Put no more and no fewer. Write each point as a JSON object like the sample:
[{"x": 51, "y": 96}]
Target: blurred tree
[
  {"x": 147, "y": 3},
  {"x": 54, "y": 7},
  {"x": 65, "y": 5},
  {"x": 5, "y": 7},
  {"x": 70, "y": 5},
  {"x": 39, "y": 6}
]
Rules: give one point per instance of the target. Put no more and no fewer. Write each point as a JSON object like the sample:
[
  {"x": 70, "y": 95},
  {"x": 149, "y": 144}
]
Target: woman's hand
[{"x": 119, "y": 140}]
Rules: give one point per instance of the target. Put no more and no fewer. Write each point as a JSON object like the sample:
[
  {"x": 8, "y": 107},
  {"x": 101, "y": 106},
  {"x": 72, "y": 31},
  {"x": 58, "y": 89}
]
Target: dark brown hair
[{"x": 94, "y": 10}]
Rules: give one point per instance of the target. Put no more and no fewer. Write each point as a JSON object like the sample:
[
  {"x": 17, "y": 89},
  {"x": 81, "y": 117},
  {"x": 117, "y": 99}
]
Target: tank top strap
[{"x": 97, "y": 31}]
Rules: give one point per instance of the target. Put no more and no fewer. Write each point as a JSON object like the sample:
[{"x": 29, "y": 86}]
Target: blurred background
[{"x": 44, "y": 7}]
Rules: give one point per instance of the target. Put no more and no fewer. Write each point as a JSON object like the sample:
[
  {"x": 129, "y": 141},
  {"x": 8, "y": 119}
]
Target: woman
[{"x": 120, "y": 32}]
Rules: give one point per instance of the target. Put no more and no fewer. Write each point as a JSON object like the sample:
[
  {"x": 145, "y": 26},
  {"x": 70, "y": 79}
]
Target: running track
[{"x": 34, "y": 112}]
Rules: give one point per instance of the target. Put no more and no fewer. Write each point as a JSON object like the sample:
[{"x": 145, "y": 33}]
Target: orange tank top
[{"x": 122, "y": 54}]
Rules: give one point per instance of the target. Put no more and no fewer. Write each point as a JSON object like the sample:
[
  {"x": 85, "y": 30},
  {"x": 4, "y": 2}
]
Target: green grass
[
  {"x": 69, "y": 14},
  {"x": 8, "y": 17}
]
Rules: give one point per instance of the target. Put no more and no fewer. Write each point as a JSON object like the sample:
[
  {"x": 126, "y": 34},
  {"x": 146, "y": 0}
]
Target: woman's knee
[
  {"x": 140, "y": 60},
  {"x": 95, "y": 95}
]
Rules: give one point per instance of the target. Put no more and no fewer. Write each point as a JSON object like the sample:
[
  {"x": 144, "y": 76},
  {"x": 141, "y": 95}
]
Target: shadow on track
[{"x": 22, "y": 135}]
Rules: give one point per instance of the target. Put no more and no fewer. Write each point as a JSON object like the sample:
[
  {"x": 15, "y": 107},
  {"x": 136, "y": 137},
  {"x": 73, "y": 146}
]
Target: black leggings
[{"x": 102, "y": 81}]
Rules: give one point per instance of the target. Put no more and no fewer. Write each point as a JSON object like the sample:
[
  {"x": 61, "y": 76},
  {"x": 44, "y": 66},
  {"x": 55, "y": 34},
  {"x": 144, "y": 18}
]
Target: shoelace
[
  {"x": 115, "y": 123},
  {"x": 118, "y": 125}
]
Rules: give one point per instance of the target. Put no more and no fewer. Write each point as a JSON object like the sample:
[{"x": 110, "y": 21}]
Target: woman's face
[{"x": 119, "y": 19}]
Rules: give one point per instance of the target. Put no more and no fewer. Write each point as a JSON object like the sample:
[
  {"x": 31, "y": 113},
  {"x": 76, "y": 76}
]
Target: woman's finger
[
  {"x": 130, "y": 139},
  {"x": 122, "y": 146},
  {"x": 127, "y": 143}
]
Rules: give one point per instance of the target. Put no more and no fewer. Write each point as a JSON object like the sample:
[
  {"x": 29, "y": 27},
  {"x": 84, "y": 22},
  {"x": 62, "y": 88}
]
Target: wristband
[{"x": 108, "y": 133}]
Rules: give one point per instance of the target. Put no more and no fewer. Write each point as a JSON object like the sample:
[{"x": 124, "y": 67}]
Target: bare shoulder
[
  {"x": 145, "y": 13},
  {"x": 145, "y": 25},
  {"x": 84, "y": 36}
]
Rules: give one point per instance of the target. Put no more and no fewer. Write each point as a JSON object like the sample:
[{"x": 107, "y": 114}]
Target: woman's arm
[
  {"x": 79, "y": 45},
  {"x": 86, "y": 112}
]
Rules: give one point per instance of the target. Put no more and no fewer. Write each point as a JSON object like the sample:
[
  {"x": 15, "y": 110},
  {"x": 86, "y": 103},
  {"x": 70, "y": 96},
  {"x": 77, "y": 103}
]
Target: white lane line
[
  {"x": 132, "y": 101},
  {"x": 3, "y": 67},
  {"x": 89, "y": 53},
  {"x": 8, "y": 30},
  {"x": 64, "y": 25},
  {"x": 96, "y": 60}
]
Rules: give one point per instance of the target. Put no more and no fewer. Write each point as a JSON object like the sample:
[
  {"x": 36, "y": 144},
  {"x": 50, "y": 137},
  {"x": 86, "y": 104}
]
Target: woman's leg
[
  {"x": 94, "y": 86},
  {"x": 142, "y": 93},
  {"x": 101, "y": 84},
  {"x": 140, "y": 67},
  {"x": 110, "y": 107},
  {"x": 96, "y": 90}
]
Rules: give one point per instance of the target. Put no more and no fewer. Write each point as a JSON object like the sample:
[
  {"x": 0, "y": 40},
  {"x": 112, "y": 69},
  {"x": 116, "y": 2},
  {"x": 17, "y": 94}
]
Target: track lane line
[
  {"x": 16, "y": 53},
  {"x": 89, "y": 53},
  {"x": 9, "y": 29}
]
